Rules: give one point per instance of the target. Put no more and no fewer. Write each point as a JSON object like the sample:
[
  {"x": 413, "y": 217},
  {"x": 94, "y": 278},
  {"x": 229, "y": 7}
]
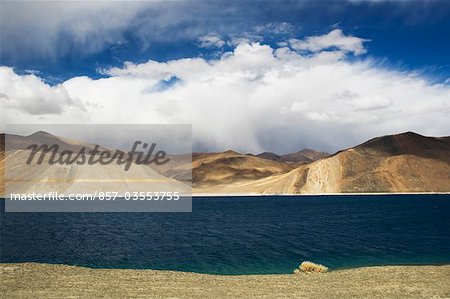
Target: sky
[{"x": 251, "y": 76}]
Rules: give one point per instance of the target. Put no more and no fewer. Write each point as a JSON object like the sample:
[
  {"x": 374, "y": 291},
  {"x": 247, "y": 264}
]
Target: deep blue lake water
[{"x": 240, "y": 235}]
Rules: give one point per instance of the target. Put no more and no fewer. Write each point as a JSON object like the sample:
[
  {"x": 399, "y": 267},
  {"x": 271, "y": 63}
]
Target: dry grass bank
[{"x": 56, "y": 281}]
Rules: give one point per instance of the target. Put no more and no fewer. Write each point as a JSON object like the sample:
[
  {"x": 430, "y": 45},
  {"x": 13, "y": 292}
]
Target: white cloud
[
  {"x": 56, "y": 29},
  {"x": 275, "y": 28},
  {"x": 52, "y": 29},
  {"x": 334, "y": 39},
  {"x": 212, "y": 40},
  {"x": 252, "y": 99},
  {"x": 29, "y": 94}
]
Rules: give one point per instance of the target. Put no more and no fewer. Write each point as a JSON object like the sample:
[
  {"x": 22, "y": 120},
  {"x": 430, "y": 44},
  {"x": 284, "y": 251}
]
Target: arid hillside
[
  {"x": 17, "y": 142},
  {"x": 216, "y": 169},
  {"x": 406, "y": 162},
  {"x": 2, "y": 164},
  {"x": 300, "y": 157},
  {"x": 74, "y": 178}
]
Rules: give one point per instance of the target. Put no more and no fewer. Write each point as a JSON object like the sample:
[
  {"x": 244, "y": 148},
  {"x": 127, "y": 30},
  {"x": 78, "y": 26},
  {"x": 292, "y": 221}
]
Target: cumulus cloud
[
  {"x": 50, "y": 31},
  {"x": 252, "y": 99},
  {"x": 29, "y": 94},
  {"x": 334, "y": 39}
]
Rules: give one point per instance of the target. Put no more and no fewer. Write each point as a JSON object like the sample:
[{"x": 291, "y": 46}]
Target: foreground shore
[{"x": 45, "y": 280}]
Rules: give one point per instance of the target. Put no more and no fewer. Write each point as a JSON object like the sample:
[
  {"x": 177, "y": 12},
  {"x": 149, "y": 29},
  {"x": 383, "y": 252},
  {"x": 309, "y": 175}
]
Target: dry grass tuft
[{"x": 307, "y": 267}]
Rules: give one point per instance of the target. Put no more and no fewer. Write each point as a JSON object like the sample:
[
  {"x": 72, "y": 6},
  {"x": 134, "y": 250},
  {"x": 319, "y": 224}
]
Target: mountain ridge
[{"x": 405, "y": 162}]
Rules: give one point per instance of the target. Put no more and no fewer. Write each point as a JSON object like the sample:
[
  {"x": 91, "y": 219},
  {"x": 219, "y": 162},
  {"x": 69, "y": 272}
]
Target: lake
[{"x": 240, "y": 235}]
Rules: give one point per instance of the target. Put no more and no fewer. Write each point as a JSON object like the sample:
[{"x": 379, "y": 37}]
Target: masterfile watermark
[
  {"x": 100, "y": 196},
  {"x": 98, "y": 168},
  {"x": 97, "y": 155}
]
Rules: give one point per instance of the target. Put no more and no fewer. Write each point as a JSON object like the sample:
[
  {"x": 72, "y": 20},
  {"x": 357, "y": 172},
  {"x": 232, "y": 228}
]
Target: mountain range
[
  {"x": 304, "y": 156},
  {"x": 42, "y": 178},
  {"x": 406, "y": 162}
]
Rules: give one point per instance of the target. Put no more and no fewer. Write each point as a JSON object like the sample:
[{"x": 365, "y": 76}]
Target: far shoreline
[{"x": 331, "y": 269}]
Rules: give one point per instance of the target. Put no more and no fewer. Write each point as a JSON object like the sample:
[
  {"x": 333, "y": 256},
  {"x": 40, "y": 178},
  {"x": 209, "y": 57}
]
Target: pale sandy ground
[{"x": 57, "y": 281}]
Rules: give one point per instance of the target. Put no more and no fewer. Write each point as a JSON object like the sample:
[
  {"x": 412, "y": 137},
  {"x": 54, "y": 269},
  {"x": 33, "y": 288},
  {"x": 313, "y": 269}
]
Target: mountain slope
[
  {"x": 408, "y": 143},
  {"x": 300, "y": 157},
  {"x": 74, "y": 178},
  {"x": 305, "y": 155},
  {"x": 405, "y": 162},
  {"x": 211, "y": 169},
  {"x": 17, "y": 142}
]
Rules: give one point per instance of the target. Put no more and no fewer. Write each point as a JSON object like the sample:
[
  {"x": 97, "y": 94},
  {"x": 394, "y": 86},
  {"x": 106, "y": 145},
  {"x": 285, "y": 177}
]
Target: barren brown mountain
[
  {"x": 305, "y": 155},
  {"x": 2, "y": 164},
  {"x": 300, "y": 157},
  {"x": 73, "y": 178},
  {"x": 17, "y": 142},
  {"x": 405, "y": 162},
  {"x": 227, "y": 168}
]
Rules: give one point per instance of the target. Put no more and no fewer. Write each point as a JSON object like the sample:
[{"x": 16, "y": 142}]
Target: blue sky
[
  {"x": 406, "y": 35},
  {"x": 250, "y": 76}
]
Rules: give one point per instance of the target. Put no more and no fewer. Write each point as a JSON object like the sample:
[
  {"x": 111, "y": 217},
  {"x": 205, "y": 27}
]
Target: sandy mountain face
[
  {"x": 16, "y": 142},
  {"x": 74, "y": 178},
  {"x": 405, "y": 162},
  {"x": 217, "y": 170},
  {"x": 397, "y": 163},
  {"x": 2, "y": 164}
]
